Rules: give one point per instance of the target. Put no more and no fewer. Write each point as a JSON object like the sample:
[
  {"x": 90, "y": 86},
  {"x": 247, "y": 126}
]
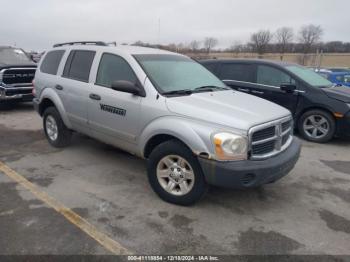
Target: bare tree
[
  {"x": 260, "y": 41},
  {"x": 236, "y": 48},
  {"x": 284, "y": 37},
  {"x": 180, "y": 47},
  {"x": 309, "y": 36},
  {"x": 210, "y": 43},
  {"x": 194, "y": 46}
]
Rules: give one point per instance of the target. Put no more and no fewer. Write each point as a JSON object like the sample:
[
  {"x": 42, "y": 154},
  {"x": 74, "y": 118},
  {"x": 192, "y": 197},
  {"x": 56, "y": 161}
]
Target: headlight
[{"x": 229, "y": 146}]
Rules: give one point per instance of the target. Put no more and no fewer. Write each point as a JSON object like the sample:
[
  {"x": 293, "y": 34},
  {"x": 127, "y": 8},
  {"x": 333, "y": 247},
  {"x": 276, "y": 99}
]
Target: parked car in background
[
  {"x": 17, "y": 71},
  {"x": 169, "y": 109},
  {"x": 321, "y": 109},
  {"x": 339, "y": 78},
  {"x": 339, "y": 69},
  {"x": 35, "y": 56}
]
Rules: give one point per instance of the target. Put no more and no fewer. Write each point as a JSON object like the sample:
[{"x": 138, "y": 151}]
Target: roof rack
[{"x": 99, "y": 43}]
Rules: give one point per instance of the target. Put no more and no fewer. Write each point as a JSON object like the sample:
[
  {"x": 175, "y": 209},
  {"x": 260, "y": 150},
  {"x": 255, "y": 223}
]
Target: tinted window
[
  {"x": 51, "y": 62},
  {"x": 267, "y": 75},
  {"x": 238, "y": 72},
  {"x": 78, "y": 65},
  {"x": 114, "y": 68}
]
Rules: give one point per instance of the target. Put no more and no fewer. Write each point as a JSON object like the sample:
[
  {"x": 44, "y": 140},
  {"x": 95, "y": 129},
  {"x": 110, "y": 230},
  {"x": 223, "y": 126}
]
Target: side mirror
[
  {"x": 288, "y": 88},
  {"x": 127, "y": 87}
]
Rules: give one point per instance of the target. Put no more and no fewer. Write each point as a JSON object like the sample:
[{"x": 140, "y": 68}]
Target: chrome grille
[
  {"x": 270, "y": 139},
  {"x": 263, "y": 148},
  {"x": 264, "y": 133},
  {"x": 18, "y": 76},
  {"x": 286, "y": 125}
]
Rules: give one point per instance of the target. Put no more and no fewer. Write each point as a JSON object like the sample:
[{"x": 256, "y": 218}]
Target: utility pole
[{"x": 158, "y": 32}]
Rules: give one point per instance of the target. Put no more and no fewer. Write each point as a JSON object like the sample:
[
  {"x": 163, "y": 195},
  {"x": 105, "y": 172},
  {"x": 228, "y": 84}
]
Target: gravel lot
[{"x": 307, "y": 212}]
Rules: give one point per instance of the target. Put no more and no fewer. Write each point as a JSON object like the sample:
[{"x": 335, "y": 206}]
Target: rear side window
[
  {"x": 267, "y": 75},
  {"x": 51, "y": 62},
  {"x": 78, "y": 65},
  {"x": 113, "y": 68},
  {"x": 238, "y": 72}
]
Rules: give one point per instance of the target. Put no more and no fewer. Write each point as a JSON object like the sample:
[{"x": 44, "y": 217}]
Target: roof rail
[{"x": 99, "y": 43}]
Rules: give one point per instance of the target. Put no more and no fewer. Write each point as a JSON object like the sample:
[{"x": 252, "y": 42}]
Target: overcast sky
[{"x": 38, "y": 24}]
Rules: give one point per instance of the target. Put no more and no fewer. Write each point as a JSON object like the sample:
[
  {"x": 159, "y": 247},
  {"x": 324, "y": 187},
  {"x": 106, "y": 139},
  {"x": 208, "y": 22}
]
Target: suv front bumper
[
  {"x": 247, "y": 174},
  {"x": 16, "y": 94}
]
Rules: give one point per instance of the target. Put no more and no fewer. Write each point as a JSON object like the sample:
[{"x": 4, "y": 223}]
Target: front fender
[
  {"x": 194, "y": 134},
  {"x": 50, "y": 94}
]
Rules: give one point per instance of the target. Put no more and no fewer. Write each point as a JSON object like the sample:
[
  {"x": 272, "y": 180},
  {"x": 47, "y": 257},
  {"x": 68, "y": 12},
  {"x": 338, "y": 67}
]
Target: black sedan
[{"x": 320, "y": 108}]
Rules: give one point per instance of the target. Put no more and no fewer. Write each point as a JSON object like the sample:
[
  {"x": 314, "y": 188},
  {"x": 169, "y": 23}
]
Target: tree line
[{"x": 284, "y": 40}]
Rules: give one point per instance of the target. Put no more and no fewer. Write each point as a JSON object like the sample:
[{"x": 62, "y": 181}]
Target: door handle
[
  {"x": 257, "y": 92},
  {"x": 58, "y": 87},
  {"x": 243, "y": 90},
  {"x": 95, "y": 97}
]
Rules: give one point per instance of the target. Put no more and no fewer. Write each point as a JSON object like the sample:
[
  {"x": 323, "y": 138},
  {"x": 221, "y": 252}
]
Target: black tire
[
  {"x": 330, "y": 123},
  {"x": 64, "y": 134},
  {"x": 174, "y": 147}
]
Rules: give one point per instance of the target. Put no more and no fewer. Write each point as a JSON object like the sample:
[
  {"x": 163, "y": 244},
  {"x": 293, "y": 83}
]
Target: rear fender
[{"x": 50, "y": 94}]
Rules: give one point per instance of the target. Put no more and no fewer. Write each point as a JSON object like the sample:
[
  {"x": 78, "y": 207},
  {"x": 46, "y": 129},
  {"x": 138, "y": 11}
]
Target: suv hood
[
  {"x": 227, "y": 108},
  {"x": 27, "y": 64},
  {"x": 339, "y": 93}
]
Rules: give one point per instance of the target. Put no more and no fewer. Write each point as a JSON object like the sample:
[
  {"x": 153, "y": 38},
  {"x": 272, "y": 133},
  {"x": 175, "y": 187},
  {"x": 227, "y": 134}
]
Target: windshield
[
  {"x": 13, "y": 56},
  {"x": 309, "y": 76},
  {"x": 171, "y": 73}
]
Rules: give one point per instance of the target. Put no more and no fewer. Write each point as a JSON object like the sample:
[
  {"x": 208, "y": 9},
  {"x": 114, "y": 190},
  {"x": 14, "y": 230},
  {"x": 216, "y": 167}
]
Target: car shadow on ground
[
  {"x": 344, "y": 141},
  {"x": 12, "y": 107}
]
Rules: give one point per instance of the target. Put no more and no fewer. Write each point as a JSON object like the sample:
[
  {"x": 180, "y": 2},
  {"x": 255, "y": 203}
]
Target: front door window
[{"x": 267, "y": 75}]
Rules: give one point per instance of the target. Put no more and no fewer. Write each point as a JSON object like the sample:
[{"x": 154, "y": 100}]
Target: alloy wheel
[
  {"x": 51, "y": 127},
  {"x": 175, "y": 175},
  {"x": 316, "y": 126}
]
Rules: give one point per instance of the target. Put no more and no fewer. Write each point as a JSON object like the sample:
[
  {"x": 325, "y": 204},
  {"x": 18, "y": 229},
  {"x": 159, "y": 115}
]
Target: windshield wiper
[
  {"x": 179, "y": 92},
  {"x": 210, "y": 88},
  {"x": 196, "y": 90}
]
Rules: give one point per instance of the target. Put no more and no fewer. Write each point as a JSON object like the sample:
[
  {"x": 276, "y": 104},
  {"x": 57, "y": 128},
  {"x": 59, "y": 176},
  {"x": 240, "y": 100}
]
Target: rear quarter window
[{"x": 51, "y": 62}]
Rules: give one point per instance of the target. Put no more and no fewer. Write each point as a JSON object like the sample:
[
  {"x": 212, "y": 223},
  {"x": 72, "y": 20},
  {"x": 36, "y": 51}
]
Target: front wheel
[
  {"x": 175, "y": 174},
  {"x": 317, "y": 126}
]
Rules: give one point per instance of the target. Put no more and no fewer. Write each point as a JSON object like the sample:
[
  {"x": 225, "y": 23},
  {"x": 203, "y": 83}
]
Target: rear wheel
[
  {"x": 56, "y": 132},
  {"x": 317, "y": 126},
  {"x": 175, "y": 174}
]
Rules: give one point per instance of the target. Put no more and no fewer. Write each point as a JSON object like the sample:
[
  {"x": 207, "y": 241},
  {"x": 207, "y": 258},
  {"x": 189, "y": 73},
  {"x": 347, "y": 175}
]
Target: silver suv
[{"x": 168, "y": 109}]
